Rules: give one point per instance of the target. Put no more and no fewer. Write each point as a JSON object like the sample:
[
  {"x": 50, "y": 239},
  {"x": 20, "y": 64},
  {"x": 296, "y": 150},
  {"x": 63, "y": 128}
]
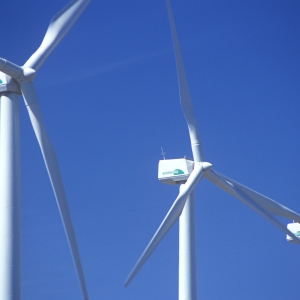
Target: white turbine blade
[
  {"x": 233, "y": 190},
  {"x": 262, "y": 212},
  {"x": 171, "y": 217},
  {"x": 10, "y": 68},
  {"x": 268, "y": 204},
  {"x": 59, "y": 26},
  {"x": 185, "y": 98},
  {"x": 54, "y": 175}
]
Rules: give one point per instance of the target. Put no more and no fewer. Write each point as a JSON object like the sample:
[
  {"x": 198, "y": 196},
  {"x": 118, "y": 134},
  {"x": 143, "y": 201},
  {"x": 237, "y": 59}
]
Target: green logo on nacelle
[
  {"x": 1, "y": 81},
  {"x": 178, "y": 172},
  {"x": 297, "y": 233},
  {"x": 175, "y": 172}
]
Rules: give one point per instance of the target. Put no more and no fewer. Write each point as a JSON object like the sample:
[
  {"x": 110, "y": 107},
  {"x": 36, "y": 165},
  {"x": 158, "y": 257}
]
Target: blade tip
[{"x": 126, "y": 282}]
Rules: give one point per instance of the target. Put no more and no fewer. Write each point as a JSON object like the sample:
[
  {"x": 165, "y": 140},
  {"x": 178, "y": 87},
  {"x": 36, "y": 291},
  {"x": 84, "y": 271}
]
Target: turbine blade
[
  {"x": 268, "y": 204},
  {"x": 185, "y": 98},
  {"x": 171, "y": 217},
  {"x": 245, "y": 198},
  {"x": 54, "y": 175},
  {"x": 59, "y": 26},
  {"x": 10, "y": 68}
]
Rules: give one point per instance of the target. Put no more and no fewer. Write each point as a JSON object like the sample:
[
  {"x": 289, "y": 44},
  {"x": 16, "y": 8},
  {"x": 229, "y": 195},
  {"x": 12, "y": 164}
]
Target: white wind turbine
[
  {"x": 15, "y": 80},
  {"x": 188, "y": 174}
]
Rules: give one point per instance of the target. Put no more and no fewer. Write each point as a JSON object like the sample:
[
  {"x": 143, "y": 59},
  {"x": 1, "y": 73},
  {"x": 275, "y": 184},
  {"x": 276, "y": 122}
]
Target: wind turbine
[
  {"x": 188, "y": 174},
  {"x": 15, "y": 80}
]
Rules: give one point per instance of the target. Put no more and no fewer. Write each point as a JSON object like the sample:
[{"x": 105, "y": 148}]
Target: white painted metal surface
[
  {"x": 185, "y": 98},
  {"x": 174, "y": 171},
  {"x": 10, "y": 198},
  {"x": 295, "y": 229},
  {"x": 187, "y": 282},
  {"x": 15, "y": 79},
  {"x": 58, "y": 28},
  {"x": 171, "y": 217}
]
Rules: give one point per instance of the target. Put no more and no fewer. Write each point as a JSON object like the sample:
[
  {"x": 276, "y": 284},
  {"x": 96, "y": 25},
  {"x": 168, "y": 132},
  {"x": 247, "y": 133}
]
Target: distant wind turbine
[
  {"x": 188, "y": 174},
  {"x": 15, "y": 80}
]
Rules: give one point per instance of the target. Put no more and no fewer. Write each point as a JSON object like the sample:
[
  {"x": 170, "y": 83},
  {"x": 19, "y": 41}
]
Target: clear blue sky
[{"x": 109, "y": 97}]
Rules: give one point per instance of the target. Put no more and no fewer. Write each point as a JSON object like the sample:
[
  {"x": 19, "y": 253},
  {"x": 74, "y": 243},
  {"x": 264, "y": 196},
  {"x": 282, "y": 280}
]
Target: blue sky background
[{"x": 109, "y": 97}]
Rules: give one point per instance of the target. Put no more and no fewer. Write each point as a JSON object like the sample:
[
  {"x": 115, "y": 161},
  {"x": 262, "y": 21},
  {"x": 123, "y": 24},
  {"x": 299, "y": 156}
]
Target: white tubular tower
[
  {"x": 187, "y": 283},
  {"x": 15, "y": 80},
  {"x": 9, "y": 197}
]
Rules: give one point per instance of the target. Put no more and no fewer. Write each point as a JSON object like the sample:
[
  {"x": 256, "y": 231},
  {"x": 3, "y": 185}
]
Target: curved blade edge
[
  {"x": 185, "y": 98},
  {"x": 267, "y": 203},
  {"x": 60, "y": 24},
  {"x": 53, "y": 170},
  {"x": 237, "y": 193},
  {"x": 171, "y": 217}
]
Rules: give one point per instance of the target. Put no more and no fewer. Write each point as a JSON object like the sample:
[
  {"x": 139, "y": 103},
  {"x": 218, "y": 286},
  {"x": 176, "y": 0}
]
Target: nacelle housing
[
  {"x": 174, "y": 171},
  {"x": 295, "y": 229}
]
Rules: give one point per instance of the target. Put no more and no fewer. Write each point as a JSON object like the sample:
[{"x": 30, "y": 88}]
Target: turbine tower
[
  {"x": 188, "y": 174},
  {"x": 15, "y": 80}
]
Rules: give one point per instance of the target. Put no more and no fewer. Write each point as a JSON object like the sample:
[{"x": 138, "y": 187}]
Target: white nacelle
[
  {"x": 8, "y": 84},
  {"x": 295, "y": 229},
  {"x": 172, "y": 171}
]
